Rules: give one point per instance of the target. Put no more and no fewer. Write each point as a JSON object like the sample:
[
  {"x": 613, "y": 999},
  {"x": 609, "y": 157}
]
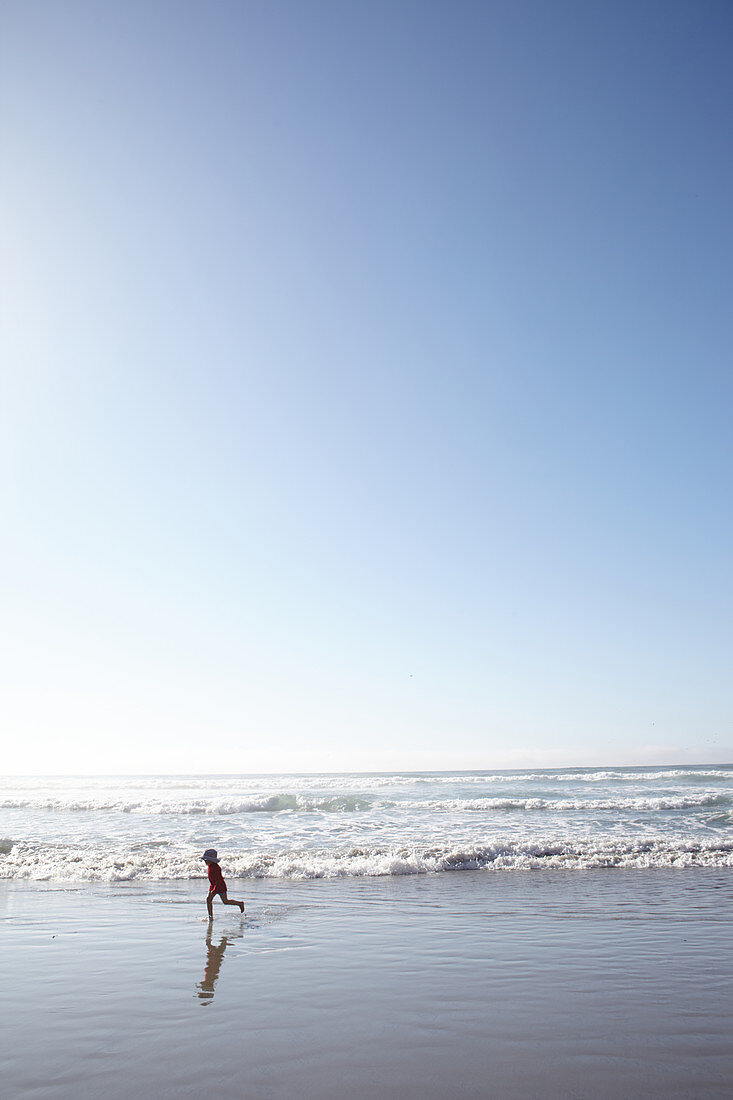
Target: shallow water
[{"x": 306, "y": 826}]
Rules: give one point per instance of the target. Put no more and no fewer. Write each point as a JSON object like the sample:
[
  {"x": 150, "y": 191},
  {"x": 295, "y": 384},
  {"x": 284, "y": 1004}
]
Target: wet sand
[{"x": 522, "y": 984}]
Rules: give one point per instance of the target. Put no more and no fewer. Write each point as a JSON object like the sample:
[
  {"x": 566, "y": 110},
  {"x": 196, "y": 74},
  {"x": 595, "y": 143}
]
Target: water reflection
[{"x": 214, "y": 956}]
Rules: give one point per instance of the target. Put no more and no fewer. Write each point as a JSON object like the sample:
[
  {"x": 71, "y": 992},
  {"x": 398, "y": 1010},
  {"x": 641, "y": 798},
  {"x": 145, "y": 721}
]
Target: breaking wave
[
  {"x": 276, "y": 803},
  {"x": 330, "y": 826},
  {"x": 565, "y": 804},
  {"x": 348, "y": 804},
  {"x": 157, "y": 862}
]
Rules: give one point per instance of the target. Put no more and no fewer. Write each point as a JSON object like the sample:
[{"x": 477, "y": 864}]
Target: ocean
[{"x": 154, "y": 828}]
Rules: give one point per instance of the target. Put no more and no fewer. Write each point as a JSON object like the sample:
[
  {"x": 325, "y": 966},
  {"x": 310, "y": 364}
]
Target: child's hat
[{"x": 210, "y": 855}]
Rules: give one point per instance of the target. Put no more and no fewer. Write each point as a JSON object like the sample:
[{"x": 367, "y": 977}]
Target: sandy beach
[{"x": 537, "y": 984}]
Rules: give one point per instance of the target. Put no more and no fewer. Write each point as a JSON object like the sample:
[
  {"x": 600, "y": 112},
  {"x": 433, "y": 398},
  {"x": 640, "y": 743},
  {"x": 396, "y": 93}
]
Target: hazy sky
[{"x": 366, "y": 384}]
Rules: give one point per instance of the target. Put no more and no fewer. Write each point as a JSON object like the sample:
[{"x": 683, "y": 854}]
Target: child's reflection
[{"x": 214, "y": 955}]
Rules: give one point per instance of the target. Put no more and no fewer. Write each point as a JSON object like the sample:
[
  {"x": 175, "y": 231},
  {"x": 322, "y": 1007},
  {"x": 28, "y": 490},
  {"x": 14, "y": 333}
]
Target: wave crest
[
  {"x": 153, "y": 862},
  {"x": 276, "y": 803},
  {"x": 683, "y": 802}
]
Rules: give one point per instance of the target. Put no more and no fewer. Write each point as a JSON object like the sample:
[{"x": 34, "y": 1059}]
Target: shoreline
[{"x": 551, "y": 984}]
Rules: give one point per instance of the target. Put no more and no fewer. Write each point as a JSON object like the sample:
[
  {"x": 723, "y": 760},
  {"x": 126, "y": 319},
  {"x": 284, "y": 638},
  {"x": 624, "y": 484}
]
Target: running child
[{"x": 218, "y": 886}]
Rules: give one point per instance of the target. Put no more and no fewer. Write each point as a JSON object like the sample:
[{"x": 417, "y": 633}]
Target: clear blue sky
[{"x": 367, "y": 384}]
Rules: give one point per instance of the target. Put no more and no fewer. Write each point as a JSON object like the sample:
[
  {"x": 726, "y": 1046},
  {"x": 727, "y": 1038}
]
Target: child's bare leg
[
  {"x": 209, "y": 906},
  {"x": 231, "y": 901}
]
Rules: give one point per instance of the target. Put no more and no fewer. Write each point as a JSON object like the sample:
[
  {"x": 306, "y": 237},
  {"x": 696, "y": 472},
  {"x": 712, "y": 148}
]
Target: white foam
[
  {"x": 311, "y": 826},
  {"x": 275, "y": 803},
  {"x": 566, "y": 804},
  {"x": 68, "y": 863},
  {"x": 283, "y": 803}
]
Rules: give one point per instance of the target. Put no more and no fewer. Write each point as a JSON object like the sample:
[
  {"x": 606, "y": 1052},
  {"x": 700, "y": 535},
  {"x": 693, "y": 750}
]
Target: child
[{"x": 218, "y": 886}]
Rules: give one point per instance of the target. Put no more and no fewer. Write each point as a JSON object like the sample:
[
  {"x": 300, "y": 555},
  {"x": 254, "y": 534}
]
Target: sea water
[{"x": 112, "y": 828}]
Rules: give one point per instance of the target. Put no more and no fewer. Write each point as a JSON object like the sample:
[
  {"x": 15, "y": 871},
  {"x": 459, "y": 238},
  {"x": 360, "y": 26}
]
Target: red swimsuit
[{"x": 218, "y": 886}]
